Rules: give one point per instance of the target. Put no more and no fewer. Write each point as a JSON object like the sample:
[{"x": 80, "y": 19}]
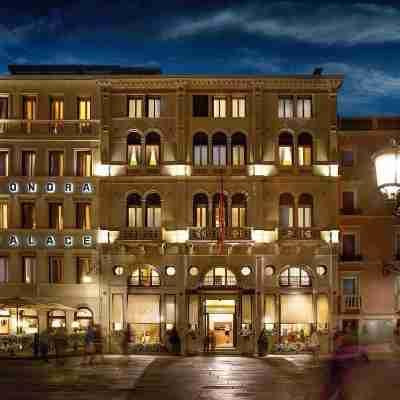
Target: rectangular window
[
  {"x": 286, "y": 216},
  {"x": 56, "y": 163},
  {"x": 56, "y": 269},
  {"x": 348, "y": 201},
  {"x": 238, "y": 155},
  {"x": 134, "y": 155},
  {"x": 238, "y": 217},
  {"x": 305, "y": 156},
  {"x": 28, "y": 163},
  {"x": 285, "y": 155},
  {"x": 4, "y": 162},
  {"x": 3, "y": 215},
  {"x": 201, "y": 216},
  {"x": 3, "y": 113},
  {"x": 3, "y": 269},
  {"x": 135, "y": 107},
  {"x": 200, "y": 106},
  {"x": 219, "y": 155},
  {"x": 152, "y": 155},
  {"x": 28, "y": 213},
  {"x": 83, "y": 273},
  {"x": 29, "y": 110},
  {"x": 304, "y": 217},
  {"x": 56, "y": 216},
  {"x": 200, "y": 155},
  {"x": 153, "y": 107},
  {"x": 349, "y": 245},
  {"x": 347, "y": 158},
  {"x": 28, "y": 268},
  {"x": 219, "y": 107},
  {"x": 83, "y": 163},
  {"x": 304, "y": 107},
  {"x": 153, "y": 217},
  {"x": 350, "y": 286},
  {"x": 83, "y": 220},
  {"x": 238, "y": 107},
  {"x": 56, "y": 115},
  {"x": 135, "y": 217},
  {"x": 84, "y": 114},
  {"x": 285, "y": 107}
]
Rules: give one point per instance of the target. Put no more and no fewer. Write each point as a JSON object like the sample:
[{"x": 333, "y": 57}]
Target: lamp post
[{"x": 387, "y": 169}]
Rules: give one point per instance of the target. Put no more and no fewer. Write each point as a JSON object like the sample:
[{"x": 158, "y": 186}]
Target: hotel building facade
[{"x": 113, "y": 181}]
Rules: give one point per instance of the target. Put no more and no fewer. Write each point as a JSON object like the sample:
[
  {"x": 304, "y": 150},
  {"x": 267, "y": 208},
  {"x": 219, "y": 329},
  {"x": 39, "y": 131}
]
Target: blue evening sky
[{"x": 360, "y": 39}]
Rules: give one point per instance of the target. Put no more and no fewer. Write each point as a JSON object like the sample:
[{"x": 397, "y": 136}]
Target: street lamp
[{"x": 387, "y": 168}]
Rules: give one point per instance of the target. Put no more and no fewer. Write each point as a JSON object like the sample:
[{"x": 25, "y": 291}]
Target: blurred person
[
  {"x": 314, "y": 344},
  {"x": 89, "y": 346},
  {"x": 44, "y": 345}
]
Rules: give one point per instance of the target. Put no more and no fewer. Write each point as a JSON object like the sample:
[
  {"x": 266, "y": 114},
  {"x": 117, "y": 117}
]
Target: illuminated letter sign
[
  {"x": 87, "y": 188},
  {"x": 87, "y": 240},
  {"x": 13, "y": 241},
  {"x": 13, "y": 187},
  {"x": 68, "y": 241},
  {"x": 50, "y": 241},
  {"x": 50, "y": 187},
  {"x": 31, "y": 241},
  {"x": 31, "y": 187},
  {"x": 69, "y": 187}
]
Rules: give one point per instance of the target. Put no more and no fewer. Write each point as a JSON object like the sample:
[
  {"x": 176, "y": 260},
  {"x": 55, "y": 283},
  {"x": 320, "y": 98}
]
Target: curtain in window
[
  {"x": 219, "y": 155},
  {"x": 84, "y": 109},
  {"x": 200, "y": 155},
  {"x": 304, "y": 107},
  {"x": 305, "y": 155},
  {"x": 28, "y": 215},
  {"x": 3, "y": 269},
  {"x": 269, "y": 309},
  {"x": 57, "y": 109},
  {"x": 193, "y": 311},
  {"x": 152, "y": 155},
  {"x": 83, "y": 268},
  {"x": 117, "y": 309},
  {"x": 3, "y": 113},
  {"x": 143, "y": 309},
  {"x": 285, "y": 108},
  {"x": 170, "y": 309},
  {"x": 285, "y": 155},
  {"x": 322, "y": 311},
  {"x": 305, "y": 217},
  {"x": 219, "y": 107},
  {"x": 286, "y": 216},
  {"x": 153, "y": 217},
  {"x": 296, "y": 308},
  {"x": 135, "y": 108},
  {"x": 56, "y": 216},
  {"x": 3, "y": 215},
  {"x": 238, "y": 107},
  {"x": 29, "y": 266},
  {"x": 153, "y": 108},
  {"x": 28, "y": 163},
  {"x": 56, "y": 163},
  {"x": 238, "y": 217},
  {"x": 3, "y": 163},
  {"x": 201, "y": 216},
  {"x": 238, "y": 152},
  {"x": 134, "y": 217},
  {"x": 246, "y": 309},
  {"x": 84, "y": 163},
  {"x": 29, "y": 108},
  {"x": 134, "y": 151},
  {"x": 83, "y": 216},
  {"x": 56, "y": 269}
]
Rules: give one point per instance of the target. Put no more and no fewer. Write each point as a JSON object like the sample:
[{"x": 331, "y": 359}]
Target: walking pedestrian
[
  {"x": 314, "y": 344},
  {"x": 175, "y": 341},
  {"x": 35, "y": 345},
  {"x": 89, "y": 346},
  {"x": 44, "y": 345},
  {"x": 125, "y": 340},
  {"x": 206, "y": 343}
]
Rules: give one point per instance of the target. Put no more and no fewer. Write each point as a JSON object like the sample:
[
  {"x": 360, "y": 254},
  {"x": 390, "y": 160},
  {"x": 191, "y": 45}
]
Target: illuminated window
[
  {"x": 304, "y": 107},
  {"x": 220, "y": 276},
  {"x": 135, "y": 107},
  {"x": 305, "y": 211},
  {"x": 285, "y": 107},
  {"x": 56, "y": 115},
  {"x": 219, "y": 146},
  {"x": 83, "y": 218},
  {"x": 200, "y": 210},
  {"x": 83, "y": 163},
  {"x": 83, "y": 270},
  {"x": 3, "y": 269},
  {"x": 28, "y": 214},
  {"x": 153, "y": 107},
  {"x": 3, "y": 215},
  {"x": 153, "y": 149},
  {"x": 286, "y": 210},
  {"x": 29, "y": 110},
  {"x": 153, "y": 211},
  {"x": 200, "y": 149},
  {"x": 305, "y": 149},
  {"x": 219, "y": 107},
  {"x": 285, "y": 149},
  {"x": 84, "y": 318},
  {"x": 134, "y": 148},
  {"x": 239, "y": 210},
  {"x": 84, "y": 114},
  {"x": 145, "y": 275},
  {"x": 134, "y": 211},
  {"x": 28, "y": 163},
  {"x": 238, "y": 149},
  {"x": 4, "y": 162},
  {"x": 56, "y": 319},
  {"x": 238, "y": 107},
  {"x": 28, "y": 268},
  {"x": 56, "y": 269},
  {"x": 56, "y": 163},
  {"x": 56, "y": 217},
  {"x": 295, "y": 277},
  {"x": 3, "y": 113}
]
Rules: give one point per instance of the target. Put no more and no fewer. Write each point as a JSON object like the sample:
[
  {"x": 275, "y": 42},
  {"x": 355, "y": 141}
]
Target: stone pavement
[{"x": 199, "y": 378}]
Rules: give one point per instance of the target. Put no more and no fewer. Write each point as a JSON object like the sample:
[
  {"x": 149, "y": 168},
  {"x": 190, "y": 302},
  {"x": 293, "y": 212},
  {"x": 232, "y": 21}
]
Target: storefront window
[
  {"x": 145, "y": 275},
  {"x": 56, "y": 319},
  {"x": 84, "y": 317},
  {"x": 4, "y": 322},
  {"x": 220, "y": 276}
]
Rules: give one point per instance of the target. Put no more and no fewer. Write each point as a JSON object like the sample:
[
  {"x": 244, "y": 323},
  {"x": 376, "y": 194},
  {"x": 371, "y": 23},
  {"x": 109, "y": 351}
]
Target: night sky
[{"x": 360, "y": 39}]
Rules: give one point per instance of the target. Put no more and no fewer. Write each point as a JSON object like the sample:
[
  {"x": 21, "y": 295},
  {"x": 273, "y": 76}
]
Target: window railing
[
  {"x": 299, "y": 233},
  {"x": 351, "y": 257},
  {"x": 230, "y": 233},
  {"x": 350, "y": 303},
  {"x": 140, "y": 234}
]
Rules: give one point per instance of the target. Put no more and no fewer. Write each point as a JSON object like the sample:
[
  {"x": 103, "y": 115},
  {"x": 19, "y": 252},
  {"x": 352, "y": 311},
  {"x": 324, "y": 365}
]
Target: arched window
[
  {"x": 134, "y": 149},
  {"x": 56, "y": 319},
  {"x": 134, "y": 211},
  {"x": 200, "y": 149},
  {"x": 153, "y": 211},
  {"x": 200, "y": 210},
  {"x": 84, "y": 318},
  {"x": 220, "y": 276},
  {"x": 239, "y": 210},
  {"x": 219, "y": 214},
  {"x": 145, "y": 275},
  {"x": 305, "y": 147},
  {"x": 153, "y": 145},
  {"x": 238, "y": 149},
  {"x": 285, "y": 149},
  {"x": 295, "y": 277},
  {"x": 286, "y": 210},
  {"x": 219, "y": 145},
  {"x": 305, "y": 211}
]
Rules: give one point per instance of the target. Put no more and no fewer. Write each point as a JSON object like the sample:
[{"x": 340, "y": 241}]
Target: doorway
[{"x": 220, "y": 323}]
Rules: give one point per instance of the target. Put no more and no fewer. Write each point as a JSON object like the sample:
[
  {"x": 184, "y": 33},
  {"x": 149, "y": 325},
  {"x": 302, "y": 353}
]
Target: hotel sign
[
  {"x": 48, "y": 241},
  {"x": 51, "y": 187}
]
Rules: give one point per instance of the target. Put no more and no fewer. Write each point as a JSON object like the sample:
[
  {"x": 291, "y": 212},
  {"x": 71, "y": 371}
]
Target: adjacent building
[{"x": 213, "y": 204}]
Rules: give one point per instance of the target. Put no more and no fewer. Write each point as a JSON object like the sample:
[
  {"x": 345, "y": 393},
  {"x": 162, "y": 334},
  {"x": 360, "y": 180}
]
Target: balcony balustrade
[
  {"x": 140, "y": 234},
  {"x": 230, "y": 233},
  {"x": 350, "y": 303}
]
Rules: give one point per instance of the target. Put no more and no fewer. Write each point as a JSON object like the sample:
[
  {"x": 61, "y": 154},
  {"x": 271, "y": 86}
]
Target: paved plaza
[{"x": 163, "y": 377}]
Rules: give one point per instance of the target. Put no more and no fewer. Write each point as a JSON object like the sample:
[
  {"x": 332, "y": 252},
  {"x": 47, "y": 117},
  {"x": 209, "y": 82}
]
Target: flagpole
[{"x": 221, "y": 217}]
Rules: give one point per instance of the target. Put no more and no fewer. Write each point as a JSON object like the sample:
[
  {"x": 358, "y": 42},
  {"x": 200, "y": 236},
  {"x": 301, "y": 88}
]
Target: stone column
[{"x": 181, "y": 305}]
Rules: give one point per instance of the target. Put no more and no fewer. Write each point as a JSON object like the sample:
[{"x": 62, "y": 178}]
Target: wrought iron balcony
[
  {"x": 230, "y": 233},
  {"x": 299, "y": 233},
  {"x": 350, "y": 303},
  {"x": 140, "y": 234}
]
